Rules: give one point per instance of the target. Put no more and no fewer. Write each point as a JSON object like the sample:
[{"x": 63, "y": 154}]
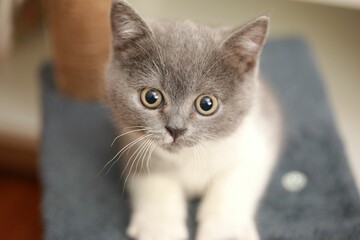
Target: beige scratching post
[{"x": 80, "y": 40}]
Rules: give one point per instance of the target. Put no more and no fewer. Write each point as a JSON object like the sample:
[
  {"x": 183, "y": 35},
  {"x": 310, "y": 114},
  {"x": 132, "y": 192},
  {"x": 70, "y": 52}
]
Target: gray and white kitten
[{"x": 194, "y": 121}]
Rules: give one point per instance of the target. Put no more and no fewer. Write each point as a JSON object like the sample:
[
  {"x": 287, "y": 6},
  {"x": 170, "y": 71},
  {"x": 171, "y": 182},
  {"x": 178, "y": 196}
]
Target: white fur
[{"x": 230, "y": 176}]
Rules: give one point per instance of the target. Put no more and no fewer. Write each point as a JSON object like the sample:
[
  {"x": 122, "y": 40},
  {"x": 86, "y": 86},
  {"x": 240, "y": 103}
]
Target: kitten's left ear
[{"x": 243, "y": 46}]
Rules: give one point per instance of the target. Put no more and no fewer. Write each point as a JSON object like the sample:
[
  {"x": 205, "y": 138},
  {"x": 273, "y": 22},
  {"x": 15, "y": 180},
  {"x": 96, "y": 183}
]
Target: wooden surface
[
  {"x": 20, "y": 217},
  {"x": 80, "y": 40}
]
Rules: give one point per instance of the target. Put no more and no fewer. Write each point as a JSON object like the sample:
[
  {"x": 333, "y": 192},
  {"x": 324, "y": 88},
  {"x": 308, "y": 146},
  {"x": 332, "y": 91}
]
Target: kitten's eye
[
  {"x": 206, "y": 104},
  {"x": 151, "y": 98}
]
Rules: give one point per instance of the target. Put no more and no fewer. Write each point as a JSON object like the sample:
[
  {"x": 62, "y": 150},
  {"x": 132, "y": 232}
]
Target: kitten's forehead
[
  {"x": 186, "y": 50},
  {"x": 180, "y": 34}
]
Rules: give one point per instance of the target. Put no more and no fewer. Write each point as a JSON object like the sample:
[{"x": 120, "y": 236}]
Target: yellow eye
[
  {"x": 151, "y": 98},
  {"x": 206, "y": 104}
]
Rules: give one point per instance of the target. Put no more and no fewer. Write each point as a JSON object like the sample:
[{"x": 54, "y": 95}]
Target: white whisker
[
  {"x": 147, "y": 151},
  {"x": 133, "y": 127},
  {"x": 149, "y": 157},
  {"x": 129, "y": 146},
  {"x": 142, "y": 152},
  {"x": 121, "y": 152},
  {"x": 123, "y": 134},
  {"x": 137, "y": 152}
]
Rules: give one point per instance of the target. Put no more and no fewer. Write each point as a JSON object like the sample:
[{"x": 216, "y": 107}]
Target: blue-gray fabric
[{"x": 78, "y": 203}]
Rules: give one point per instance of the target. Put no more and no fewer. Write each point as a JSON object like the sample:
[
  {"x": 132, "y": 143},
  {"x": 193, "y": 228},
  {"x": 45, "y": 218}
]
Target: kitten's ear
[
  {"x": 244, "y": 45},
  {"x": 127, "y": 26}
]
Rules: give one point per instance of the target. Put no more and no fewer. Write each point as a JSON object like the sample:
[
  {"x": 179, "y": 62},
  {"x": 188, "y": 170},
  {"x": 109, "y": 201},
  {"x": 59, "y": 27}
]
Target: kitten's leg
[
  {"x": 159, "y": 209},
  {"x": 227, "y": 209}
]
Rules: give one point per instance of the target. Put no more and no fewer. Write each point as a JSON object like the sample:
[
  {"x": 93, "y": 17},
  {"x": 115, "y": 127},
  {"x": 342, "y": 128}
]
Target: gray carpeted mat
[{"x": 79, "y": 204}]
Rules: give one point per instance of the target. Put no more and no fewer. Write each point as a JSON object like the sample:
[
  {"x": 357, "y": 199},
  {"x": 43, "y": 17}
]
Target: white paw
[
  {"x": 225, "y": 229},
  {"x": 147, "y": 227}
]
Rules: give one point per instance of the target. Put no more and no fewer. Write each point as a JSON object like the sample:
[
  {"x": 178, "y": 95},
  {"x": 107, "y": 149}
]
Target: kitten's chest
[
  {"x": 195, "y": 168},
  {"x": 197, "y": 173}
]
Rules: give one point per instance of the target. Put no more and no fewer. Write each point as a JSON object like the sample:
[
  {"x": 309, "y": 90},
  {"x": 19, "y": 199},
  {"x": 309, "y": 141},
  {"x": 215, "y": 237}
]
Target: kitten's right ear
[{"x": 127, "y": 26}]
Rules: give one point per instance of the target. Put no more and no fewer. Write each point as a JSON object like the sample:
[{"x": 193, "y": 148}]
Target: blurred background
[{"x": 69, "y": 31}]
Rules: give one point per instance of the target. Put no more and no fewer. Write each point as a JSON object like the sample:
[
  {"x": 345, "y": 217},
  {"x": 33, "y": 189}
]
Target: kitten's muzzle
[{"x": 175, "y": 132}]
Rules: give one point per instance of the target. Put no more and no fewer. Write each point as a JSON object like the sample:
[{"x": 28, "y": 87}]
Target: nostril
[
  {"x": 175, "y": 132},
  {"x": 169, "y": 129}
]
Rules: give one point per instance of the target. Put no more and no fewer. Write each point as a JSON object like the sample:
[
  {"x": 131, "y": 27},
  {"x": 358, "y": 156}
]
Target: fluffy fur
[{"x": 226, "y": 158}]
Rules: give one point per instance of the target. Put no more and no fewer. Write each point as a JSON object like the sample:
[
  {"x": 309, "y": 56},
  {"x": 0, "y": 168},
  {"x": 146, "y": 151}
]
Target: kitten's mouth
[{"x": 176, "y": 146}]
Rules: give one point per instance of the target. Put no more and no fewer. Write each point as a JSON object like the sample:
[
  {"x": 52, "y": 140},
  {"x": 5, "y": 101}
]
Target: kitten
[{"x": 194, "y": 120}]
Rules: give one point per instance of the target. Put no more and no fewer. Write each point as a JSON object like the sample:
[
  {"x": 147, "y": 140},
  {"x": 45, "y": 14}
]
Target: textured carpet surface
[{"x": 78, "y": 203}]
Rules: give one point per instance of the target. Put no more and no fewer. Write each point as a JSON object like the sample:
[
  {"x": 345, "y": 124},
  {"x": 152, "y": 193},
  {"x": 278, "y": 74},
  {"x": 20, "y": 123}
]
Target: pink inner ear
[
  {"x": 257, "y": 39},
  {"x": 244, "y": 45},
  {"x": 257, "y": 33},
  {"x": 243, "y": 54}
]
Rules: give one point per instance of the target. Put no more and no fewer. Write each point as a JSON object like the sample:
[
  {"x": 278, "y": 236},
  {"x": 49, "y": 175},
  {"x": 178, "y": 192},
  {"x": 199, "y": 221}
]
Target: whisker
[
  {"x": 121, "y": 152},
  {"x": 133, "y": 143},
  {"x": 137, "y": 152},
  {"x": 142, "y": 152},
  {"x": 133, "y": 127},
  {"x": 149, "y": 157},
  {"x": 212, "y": 137},
  {"x": 123, "y": 134},
  {"x": 146, "y": 153},
  {"x": 149, "y": 132},
  {"x": 131, "y": 158}
]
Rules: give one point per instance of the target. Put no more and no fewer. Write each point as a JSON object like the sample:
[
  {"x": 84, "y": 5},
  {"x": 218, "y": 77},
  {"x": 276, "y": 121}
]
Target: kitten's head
[{"x": 183, "y": 82}]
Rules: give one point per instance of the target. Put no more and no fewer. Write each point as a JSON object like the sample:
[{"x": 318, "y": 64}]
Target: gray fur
[{"x": 183, "y": 60}]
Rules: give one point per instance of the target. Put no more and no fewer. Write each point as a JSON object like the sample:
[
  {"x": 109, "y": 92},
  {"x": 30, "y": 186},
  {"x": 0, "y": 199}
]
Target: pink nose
[{"x": 175, "y": 132}]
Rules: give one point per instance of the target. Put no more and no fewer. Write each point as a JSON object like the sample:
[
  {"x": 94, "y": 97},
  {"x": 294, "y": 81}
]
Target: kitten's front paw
[
  {"x": 144, "y": 227},
  {"x": 221, "y": 229}
]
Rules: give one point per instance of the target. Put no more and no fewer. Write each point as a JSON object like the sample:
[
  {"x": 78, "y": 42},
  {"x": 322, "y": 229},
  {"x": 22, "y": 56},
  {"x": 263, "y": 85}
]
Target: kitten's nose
[{"x": 175, "y": 132}]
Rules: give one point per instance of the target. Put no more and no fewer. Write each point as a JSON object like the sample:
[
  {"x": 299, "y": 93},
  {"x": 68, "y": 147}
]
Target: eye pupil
[
  {"x": 206, "y": 103},
  {"x": 151, "y": 96}
]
